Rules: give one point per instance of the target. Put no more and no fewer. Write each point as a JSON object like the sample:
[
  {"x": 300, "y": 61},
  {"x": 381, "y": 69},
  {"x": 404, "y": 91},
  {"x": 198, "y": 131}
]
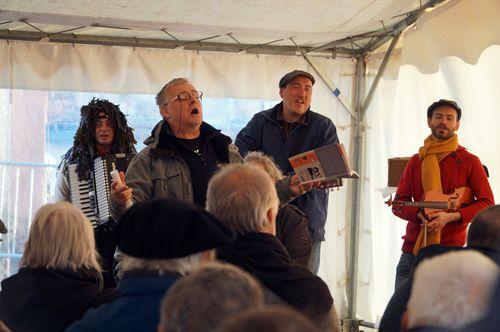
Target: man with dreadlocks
[{"x": 103, "y": 130}]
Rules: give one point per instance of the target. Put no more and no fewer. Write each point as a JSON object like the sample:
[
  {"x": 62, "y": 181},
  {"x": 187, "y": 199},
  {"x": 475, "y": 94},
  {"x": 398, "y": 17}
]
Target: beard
[{"x": 441, "y": 133}]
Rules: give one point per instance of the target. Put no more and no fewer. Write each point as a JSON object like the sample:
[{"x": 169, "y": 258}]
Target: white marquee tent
[{"x": 235, "y": 49}]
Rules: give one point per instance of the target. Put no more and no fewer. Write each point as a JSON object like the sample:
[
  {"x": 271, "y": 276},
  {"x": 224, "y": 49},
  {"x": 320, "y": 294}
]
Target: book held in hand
[{"x": 328, "y": 164}]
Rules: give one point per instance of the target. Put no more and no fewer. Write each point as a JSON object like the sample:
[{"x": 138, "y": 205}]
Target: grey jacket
[{"x": 158, "y": 171}]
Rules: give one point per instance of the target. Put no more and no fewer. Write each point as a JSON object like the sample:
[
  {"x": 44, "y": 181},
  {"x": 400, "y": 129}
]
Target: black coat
[
  {"x": 264, "y": 256},
  {"x": 49, "y": 300},
  {"x": 292, "y": 231}
]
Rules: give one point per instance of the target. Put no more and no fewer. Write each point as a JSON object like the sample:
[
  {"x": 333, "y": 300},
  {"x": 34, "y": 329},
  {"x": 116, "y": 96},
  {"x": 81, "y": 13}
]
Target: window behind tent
[{"x": 37, "y": 128}]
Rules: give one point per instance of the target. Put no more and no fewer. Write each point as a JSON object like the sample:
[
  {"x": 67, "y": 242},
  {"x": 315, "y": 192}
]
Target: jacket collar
[
  {"x": 278, "y": 108},
  {"x": 138, "y": 283},
  {"x": 163, "y": 140}
]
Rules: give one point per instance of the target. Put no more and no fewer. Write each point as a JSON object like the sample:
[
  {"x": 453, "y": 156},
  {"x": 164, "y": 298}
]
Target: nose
[
  {"x": 193, "y": 99},
  {"x": 105, "y": 127}
]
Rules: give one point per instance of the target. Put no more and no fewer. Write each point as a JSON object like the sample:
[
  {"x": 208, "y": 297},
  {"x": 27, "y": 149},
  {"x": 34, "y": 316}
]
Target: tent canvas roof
[{"x": 271, "y": 26}]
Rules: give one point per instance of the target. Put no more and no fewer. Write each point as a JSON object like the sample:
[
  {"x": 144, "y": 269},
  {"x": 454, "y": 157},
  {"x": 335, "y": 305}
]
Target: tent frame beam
[
  {"x": 348, "y": 47},
  {"x": 336, "y": 91}
]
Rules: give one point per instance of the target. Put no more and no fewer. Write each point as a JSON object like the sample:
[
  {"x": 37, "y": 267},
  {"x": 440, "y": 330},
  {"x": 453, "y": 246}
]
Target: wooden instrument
[{"x": 435, "y": 201}]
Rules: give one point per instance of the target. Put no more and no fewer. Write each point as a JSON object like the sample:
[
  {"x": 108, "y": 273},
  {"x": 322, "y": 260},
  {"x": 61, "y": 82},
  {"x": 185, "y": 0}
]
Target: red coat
[{"x": 458, "y": 169}]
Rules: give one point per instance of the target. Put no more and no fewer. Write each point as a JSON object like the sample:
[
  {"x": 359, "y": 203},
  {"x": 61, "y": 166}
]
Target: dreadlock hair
[{"x": 83, "y": 151}]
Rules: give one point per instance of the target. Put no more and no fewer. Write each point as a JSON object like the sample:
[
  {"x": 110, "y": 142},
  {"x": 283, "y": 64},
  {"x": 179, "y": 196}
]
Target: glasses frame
[{"x": 190, "y": 95}]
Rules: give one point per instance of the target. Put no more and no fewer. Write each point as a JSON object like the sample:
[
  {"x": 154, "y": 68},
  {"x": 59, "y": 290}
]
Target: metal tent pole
[{"x": 351, "y": 324}]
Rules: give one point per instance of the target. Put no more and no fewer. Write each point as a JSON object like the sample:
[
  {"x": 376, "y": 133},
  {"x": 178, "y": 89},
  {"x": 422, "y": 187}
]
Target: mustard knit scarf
[{"x": 431, "y": 154}]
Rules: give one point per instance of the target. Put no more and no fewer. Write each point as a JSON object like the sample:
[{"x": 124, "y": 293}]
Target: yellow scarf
[{"x": 431, "y": 153}]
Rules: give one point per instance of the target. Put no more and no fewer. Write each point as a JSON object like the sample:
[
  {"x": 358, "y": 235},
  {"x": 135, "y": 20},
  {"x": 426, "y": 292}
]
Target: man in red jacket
[{"x": 441, "y": 165}]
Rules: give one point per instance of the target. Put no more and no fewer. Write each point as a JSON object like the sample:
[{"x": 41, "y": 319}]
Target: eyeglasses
[{"x": 185, "y": 96}]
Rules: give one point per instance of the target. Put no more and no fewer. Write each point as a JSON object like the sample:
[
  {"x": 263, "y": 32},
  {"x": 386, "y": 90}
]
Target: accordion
[{"x": 92, "y": 196}]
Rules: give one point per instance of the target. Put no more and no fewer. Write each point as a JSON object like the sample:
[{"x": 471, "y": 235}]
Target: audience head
[
  {"x": 269, "y": 319},
  {"x": 484, "y": 231},
  {"x": 169, "y": 235},
  {"x": 259, "y": 159},
  {"x": 451, "y": 290},
  {"x": 61, "y": 237},
  {"x": 203, "y": 299},
  {"x": 244, "y": 198}
]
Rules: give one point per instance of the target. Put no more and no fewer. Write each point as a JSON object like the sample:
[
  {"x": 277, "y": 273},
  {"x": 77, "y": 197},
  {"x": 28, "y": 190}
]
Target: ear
[
  {"x": 271, "y": 220},
  {"x": 457, "y": 126},
  {"x": 429, "y": 122},
  {"x": 281, "y": 92},
  {"x": 207, "y": 256},
  {"x": 164, "y": 111}
]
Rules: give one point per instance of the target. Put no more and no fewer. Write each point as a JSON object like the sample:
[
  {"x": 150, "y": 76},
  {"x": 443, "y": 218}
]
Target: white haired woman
[{"x": 59, "y": 276}]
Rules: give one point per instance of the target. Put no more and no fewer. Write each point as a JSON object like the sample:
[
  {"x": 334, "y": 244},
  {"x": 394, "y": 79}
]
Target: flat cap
[
  {"x": 444, "y": 102},
  {"x": 295, "y": 73}
]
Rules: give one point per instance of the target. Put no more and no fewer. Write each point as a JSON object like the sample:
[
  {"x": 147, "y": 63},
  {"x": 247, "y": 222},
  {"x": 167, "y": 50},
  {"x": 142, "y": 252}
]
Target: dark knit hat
[
  {"x": 168, "y": 228},
  {"x": 291, "y": 75},
  {"x": 444, "y": 102}
]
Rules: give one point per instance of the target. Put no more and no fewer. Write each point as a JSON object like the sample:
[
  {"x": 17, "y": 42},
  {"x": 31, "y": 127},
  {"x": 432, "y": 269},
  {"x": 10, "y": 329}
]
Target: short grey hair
[
  {"x": 240, "y": 196},
  {"x": 458, "y": 285},
  {"x": 182, "y": 265},
  {"x": 200, "y": 301},
  {"x": 257, "y": 157},
  {"x": 160, "y": 96}
]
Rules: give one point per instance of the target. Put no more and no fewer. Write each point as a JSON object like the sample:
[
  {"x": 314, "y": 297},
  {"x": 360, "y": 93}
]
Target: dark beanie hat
[
  {"x": 168, "y": 228},
  {"x": 444, "y": 102},
  {"x": 291, "y": 75}
]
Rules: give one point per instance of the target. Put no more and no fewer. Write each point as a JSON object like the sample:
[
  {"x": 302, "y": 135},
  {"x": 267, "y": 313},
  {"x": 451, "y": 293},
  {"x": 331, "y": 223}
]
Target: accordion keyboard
[{"x": 82, "y": 194}]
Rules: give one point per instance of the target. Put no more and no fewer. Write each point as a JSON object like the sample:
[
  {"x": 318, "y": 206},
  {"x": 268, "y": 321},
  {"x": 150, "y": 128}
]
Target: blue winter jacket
[
  {"x": 263, "y": 133},
  {"x": 137, "y": 309}
]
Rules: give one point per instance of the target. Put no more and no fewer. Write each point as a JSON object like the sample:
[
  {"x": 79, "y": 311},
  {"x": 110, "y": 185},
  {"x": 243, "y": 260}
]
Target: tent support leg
[{"x": 351, "y": 323}]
